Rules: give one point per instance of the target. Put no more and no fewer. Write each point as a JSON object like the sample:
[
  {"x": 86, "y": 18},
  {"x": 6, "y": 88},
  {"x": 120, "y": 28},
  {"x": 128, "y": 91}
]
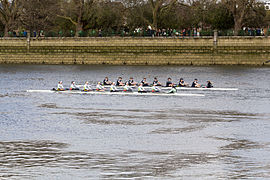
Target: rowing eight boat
[
  {"x": 202, "y": 89},
  {"x": 186, "y": 88},
  {"x": 113, "y": 93}
]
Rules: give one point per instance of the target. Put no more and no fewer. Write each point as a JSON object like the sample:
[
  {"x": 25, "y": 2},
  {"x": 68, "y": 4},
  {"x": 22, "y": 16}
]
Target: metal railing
[{"x": 143, "y": 33}]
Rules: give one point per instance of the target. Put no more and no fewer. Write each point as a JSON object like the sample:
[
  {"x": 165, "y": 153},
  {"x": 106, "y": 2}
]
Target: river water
[{"x": 223, "y": 135}]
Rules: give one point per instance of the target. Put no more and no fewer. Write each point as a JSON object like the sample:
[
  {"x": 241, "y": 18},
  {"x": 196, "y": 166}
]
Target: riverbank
[{"x": 137, "y": 51}]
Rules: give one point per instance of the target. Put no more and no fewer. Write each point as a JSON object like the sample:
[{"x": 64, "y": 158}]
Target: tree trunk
[
  {"x": 238, "y": 13},
  {"x": 154, "y": 19},
  {"x": 155, "y": 5},
  {"x": 6, "y": 30},
  {"x": 79, "y": 27},
  {"x": 237, "y": 28},
  {"x": 238, "y": 24}
]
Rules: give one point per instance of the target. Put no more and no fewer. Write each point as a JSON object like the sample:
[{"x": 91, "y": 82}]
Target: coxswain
[
  {"x": 141, "y": 89},
  {"x": 195, "y": 84},
  {"x": 169, "y": 82},
  {"x": 209, "y": 84},
  {"x": 182, "y": 83},
  {"x": 60, "y": 86},
  {"x": 144, "y": 82},
  {"x": 113, "y": 88},
  {"x": 119, "y": 82},
  {"x": 156, "y": 82},
  {"x": 73, "y": 86},
  {"x": 106, "y": 82},
  {"x": 99, "y": 87},
  {"x": 173, "y": 89},
  {"x": 86, "y": 87},
  {"x": 131, "y": 82},
  {"x": 127, "y": 88},
  {"x": 155, "y": 89}
]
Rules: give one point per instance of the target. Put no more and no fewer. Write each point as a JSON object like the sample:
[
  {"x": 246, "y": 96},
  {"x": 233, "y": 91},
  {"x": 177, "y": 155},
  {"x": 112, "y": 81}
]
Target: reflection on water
[
  {"x": 237, "y": 144},
  {"x": 29, "y": 154},
  {"x": 177, "y": 130},
  {"x": 223, "y": 135},
  {"x": 12, "y": 95},
  {"x": 125, "y": 165},
  {"x": 130, "y": 164},
  {"x": 134, "y": 117},
  {"x": 242, "y": 167}
]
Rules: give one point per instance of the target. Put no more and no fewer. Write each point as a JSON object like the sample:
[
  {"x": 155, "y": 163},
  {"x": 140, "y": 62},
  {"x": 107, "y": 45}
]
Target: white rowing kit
[
  {"x": 60, "y": 86},
  {"x": 86, "y": 87},
  {"x": 127, "y": 88},
  {"x": 155, "y": 88},
  {"x": 140, "y": 88},
  {"x": 73, "y": 86},
  {"x": 99, "y": 87},
  {"x": 113, "y": 88}
]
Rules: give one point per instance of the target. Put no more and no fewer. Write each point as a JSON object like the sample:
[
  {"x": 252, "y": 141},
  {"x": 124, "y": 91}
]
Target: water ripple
[{"x": 130, "y": 164}]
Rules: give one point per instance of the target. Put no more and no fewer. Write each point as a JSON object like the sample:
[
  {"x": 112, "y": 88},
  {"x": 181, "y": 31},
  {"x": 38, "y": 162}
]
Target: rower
[
  {"x": 131, "y": 82},
  {"x": 182, "y": 83},
  {"x": 169, "y": 82},
  {"x": 119, "y": 82},
  {"x": 99, "y": 87},
  {"x": 106, "y": 82},
  {"x": 155, "y": 89},
  {"x": 60, "y": 86},
  {"x": 172, "y": 90},
  {"x": 156, "y": 82},
  {"x": 141, "y": 89},
  {"x": 73, "y": 86},
  {"x": 144, "y": 82},
  {"x": 195, "y": 83},
  {"x": 209, "y": 84},
  {"x": 127, "y": 88},
  {"x": 113, "y": 88},
  {"x": 86, "y": 87}
]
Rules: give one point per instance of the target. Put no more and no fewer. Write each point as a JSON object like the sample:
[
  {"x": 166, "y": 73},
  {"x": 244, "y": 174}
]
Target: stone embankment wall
[{"x": 137, "y": 51}]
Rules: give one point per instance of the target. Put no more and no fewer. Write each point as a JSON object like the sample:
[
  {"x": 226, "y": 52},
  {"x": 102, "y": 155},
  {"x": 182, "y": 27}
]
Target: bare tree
[
  {"x": 109, "y": 15},
  {"x": 239, "y": 9},
  {"x": 137, "y": 13},
  {"x": 156, "y": 7},
  {"x": 9, "y": 14},
  {"x": 73, "y": 11},
  {"x": 39, "y": 18}
]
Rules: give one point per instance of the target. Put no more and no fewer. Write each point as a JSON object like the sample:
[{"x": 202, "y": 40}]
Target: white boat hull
[
  {"x": 202, "y": 89},
  {"x": 114, "y": 93}
]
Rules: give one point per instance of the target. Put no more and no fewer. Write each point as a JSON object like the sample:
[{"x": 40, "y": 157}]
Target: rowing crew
[
  {"x": 113, "y": 88},
  {"x": 128, "y": 88},
  {"x": 73, "y": 86},
  {"x": 156, "y": 82}
]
